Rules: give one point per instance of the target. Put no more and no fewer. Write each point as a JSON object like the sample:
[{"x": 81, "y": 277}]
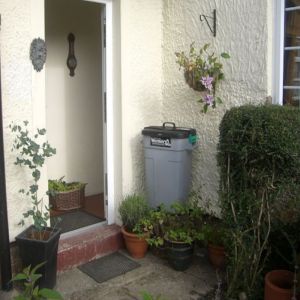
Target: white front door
[{"x": 107, "y": 97}]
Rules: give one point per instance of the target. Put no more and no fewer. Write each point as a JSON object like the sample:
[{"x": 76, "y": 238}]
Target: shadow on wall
[{"x": 138, "y": 165}]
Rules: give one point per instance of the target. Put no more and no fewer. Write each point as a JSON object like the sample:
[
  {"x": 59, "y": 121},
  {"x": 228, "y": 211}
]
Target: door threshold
[{"x": 79, "y": 231}]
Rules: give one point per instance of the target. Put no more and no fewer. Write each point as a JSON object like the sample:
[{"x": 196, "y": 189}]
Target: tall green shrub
[{"x": 258, "y": 155}]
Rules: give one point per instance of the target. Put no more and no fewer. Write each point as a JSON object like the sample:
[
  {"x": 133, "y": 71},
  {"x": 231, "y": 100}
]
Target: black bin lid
[{"x": 168, "y": 129}]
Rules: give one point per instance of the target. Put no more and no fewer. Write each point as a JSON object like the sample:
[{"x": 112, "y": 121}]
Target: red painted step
[{"x": 88, "y": 245}]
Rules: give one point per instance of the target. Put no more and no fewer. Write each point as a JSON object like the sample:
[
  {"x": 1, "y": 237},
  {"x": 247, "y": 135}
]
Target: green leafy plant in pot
[
  {"x": 157, "y": 220},
  {"x": 214, "y": 236},
  {"x": 66, "y": 195},
  {"x": 134, "y": 211},
  {"x": 37, "y": 243},
  {"x": 181, "y": 232}
]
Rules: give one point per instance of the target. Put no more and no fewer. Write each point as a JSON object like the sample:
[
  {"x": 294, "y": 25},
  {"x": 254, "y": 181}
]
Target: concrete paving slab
[{"x": 154, "y": 276}]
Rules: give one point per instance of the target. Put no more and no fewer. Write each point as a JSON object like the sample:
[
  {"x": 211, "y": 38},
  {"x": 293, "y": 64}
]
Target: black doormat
[
  {"x": 74, "y": 220},
  {"x": 107, "y": 267}
]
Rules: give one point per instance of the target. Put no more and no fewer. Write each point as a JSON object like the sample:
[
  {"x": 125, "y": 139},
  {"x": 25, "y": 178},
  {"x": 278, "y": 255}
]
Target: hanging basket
[
  {"x": 68, "y": 200},
  {"x": 192, "y": 81}
]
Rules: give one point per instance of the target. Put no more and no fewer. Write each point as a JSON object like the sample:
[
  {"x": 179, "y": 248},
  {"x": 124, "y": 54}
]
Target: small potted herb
[
  {"x": 66, "y": 195},
  {"x": 134, "y": 211}
]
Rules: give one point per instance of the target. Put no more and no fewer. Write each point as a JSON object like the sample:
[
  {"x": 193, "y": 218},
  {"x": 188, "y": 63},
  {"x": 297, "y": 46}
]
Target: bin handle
[{"x": 172, "y": 123}]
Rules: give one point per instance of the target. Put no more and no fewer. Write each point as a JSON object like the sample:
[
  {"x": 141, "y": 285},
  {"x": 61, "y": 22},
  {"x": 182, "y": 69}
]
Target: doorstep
[{"x": 81, "y": 246}]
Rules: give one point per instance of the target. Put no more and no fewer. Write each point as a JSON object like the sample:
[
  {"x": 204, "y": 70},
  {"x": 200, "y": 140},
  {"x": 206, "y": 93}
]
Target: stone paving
[{"x": 154, "y": 276}]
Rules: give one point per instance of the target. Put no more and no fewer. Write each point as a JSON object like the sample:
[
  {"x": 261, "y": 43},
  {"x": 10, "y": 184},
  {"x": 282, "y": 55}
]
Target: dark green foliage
[
  {"x": 181, "y": 223},
  {"x": 184, "y": 223},
  {"x": 259, "y": 151},
  {"x": 31, "y": 291},
  {"x": 264, "y": 140},
  {"x": 259, "y": 159}
]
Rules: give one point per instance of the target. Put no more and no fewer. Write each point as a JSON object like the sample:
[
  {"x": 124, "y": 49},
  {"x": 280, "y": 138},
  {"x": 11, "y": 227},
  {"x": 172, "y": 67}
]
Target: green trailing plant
[
  {"x": 181, "y": 223},
  {"x": 158, "y": 219},
  {"x": 59, "y": 185},
  {"x": 259, "y": 151},
  {"x": 202, "y": 71},
  {"x": 183, "y": 235},
  {"x": 184, "y": 223},
  {"x": 30, "y": 291},
  {"x": 144, "y": 226},
  {"x": 32, "y": 155},
  {"x": 133, "y": 210}
]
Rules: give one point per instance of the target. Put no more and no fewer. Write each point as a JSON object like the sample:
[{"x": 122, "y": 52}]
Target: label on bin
[{"x": 160, "y": 142}]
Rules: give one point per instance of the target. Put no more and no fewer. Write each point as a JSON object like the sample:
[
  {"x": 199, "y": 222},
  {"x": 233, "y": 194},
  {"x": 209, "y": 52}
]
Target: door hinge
[
  {"x": 106, "y": 202},
  {"x": 105, "y": 110},
  {"x": 106, "y": 184}
]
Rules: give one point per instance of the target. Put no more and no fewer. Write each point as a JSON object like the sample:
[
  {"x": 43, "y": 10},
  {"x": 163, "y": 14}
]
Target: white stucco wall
[
  {"x": 22, "y": 93},
  {"x": 244, "y": 30},
  {"x": 74, "y": 105},
  {"x": 147, "y": 86},
  {"x": 141, "y": 56}
]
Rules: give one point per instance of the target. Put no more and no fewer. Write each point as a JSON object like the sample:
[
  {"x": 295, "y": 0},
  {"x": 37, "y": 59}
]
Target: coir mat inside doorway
[{"x": 108, "y": 267}]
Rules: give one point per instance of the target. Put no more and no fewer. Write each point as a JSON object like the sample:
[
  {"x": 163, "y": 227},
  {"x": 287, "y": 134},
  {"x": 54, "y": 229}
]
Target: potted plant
[
  {"x": 133, "y": 211},
  {"x": 215, "y": 233},
  {"x": 283, "y": 284},
  {"x": 283, "y": 281},
  {"x": 38, "y": 243},
  {"x": 202, "y": 72},
  {"x": 66, "y": 195},
  {"x": 158, "y": 219},
  {"x": 181, "y": 231}
]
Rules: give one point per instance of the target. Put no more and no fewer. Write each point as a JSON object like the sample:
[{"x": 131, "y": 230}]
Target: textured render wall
[
  {"x": 141, "y": 54},
  {"x": 244, "y": 31},
  {"x": 74, "y": 105},
  {"x": 22, "y": 91}
]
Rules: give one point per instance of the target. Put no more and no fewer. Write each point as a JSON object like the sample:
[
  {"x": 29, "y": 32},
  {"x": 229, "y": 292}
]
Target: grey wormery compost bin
[{"x": 168, "y": 162}]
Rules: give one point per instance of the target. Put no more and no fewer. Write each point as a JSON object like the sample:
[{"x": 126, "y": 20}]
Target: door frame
[{"x": 109, "y": 184}]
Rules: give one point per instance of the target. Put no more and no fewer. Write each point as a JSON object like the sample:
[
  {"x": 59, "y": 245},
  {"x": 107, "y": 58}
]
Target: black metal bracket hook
[{"x": 213, "y": 28}]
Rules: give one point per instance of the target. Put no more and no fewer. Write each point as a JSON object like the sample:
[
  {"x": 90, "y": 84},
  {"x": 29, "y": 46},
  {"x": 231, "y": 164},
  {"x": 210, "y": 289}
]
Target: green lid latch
[{"x": 193, "y": 139}]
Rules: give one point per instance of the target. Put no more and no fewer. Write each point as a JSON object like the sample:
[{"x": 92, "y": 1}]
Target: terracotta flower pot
[
  {"x": 137, "y": 246},
  {"x": 216, "y": 256},
  {"x": 279, "y": 285}
]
